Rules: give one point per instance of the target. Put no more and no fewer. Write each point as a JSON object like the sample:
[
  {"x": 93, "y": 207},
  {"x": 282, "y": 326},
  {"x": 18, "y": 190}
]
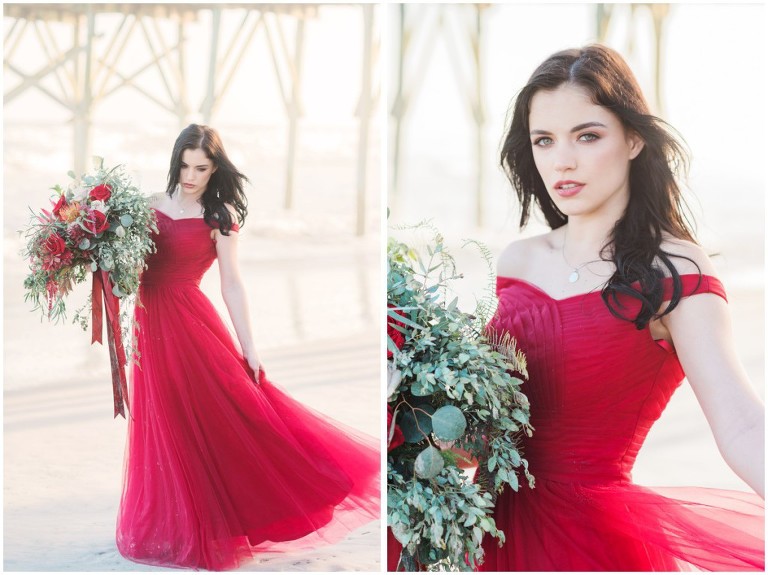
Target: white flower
[
  {"x": 99, "y": 206},
  {"x": 80, "y": 194}
]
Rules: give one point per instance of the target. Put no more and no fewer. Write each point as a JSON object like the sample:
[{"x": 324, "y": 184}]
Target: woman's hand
[
  {"x": 234, "y": 295},
  {"x": 254, "y": 363}
]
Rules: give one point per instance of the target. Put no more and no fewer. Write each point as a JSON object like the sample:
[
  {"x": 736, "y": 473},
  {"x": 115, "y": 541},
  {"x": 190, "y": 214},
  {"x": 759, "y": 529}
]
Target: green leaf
[
  {"x": 512, "y": 480},
  {"x": 416, "y": 423},
  {"x": 84, "y": 244},
  {"x": 402, "y": 533},
  {"x": 449, "y": 423},
  {"x": 428, "y": 463},
  {"x": 126, "y": 220},
  {"x": 391, "y": 313}
]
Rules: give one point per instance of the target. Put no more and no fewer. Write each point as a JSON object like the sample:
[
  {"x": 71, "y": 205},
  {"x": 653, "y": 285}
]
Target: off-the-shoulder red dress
[
  {"x": 219, "y": 468},
  {"x": 596, "y": 386}
]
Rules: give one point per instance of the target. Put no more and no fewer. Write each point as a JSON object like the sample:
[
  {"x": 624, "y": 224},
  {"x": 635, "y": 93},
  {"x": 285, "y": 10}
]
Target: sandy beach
[
  {"x": 313, "y": 289},
  {"x": 63, "y": 450}
]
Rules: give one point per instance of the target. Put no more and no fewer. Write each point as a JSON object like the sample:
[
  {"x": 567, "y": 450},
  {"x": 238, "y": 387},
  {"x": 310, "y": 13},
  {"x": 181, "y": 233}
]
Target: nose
[{"x": 564, "y": 158}]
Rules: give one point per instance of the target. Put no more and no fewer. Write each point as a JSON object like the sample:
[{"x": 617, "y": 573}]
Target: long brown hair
[
  {"x": 226, "y": 183},
  {"x": 655, "y": 202}
]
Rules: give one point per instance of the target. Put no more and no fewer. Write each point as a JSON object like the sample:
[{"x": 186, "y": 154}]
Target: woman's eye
[
  {"x": 589, "y": 137},
  {"x": 543, "y": 141}
]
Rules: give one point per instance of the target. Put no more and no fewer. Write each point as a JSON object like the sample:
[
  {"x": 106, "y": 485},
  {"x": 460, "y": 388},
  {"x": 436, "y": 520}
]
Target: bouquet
[
  {"x": 453, "y": 398},
  {"x": 100, "y": 224}
]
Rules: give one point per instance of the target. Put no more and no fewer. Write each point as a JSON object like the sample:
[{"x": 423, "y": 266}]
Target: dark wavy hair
[
  {"x": 655, "y": 203},
  {"x": 225, "y": 185}
]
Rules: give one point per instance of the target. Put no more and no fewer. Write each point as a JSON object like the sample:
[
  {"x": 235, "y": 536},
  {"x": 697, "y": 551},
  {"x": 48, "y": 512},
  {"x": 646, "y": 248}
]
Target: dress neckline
[
  {"x": 597, "y": 290},
  {"x": 176, "y": 219},
  {"x": 538, "y": 289}
]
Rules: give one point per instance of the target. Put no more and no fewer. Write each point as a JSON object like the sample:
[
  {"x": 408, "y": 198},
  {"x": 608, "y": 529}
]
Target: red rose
[
  {"x": 62, "y": 203},
  {"x": 96, "y": 222},
  {"x": 397, "y": 438},
  {"x": 56, "y": 254},
  {"x": 54, "y": 245},
  {"x": 397, "y": 336},
  {"x": 101, "y": 192}
]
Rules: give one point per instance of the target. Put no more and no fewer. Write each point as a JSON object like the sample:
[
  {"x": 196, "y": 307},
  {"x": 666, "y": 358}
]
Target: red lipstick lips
[{"x": 568, "y": 188}]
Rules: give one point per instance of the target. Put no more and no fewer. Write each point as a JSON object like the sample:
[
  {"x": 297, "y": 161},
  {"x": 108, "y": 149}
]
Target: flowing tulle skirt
[
  {"x": 616, "y": 526},
  {"x": 218, "y": 467}
]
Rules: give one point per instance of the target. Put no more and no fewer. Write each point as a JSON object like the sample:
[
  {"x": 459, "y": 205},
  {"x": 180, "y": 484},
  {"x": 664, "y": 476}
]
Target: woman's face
[
  {"x": 581, "y": 151},
  {"x": 196, "y": 170}
]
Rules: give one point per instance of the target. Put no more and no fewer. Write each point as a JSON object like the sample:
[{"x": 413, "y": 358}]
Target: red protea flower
[
  {"x": 394, "y": 333},
  {"x": 58, "y": 206},
  {"x": 70, "y": 212}
]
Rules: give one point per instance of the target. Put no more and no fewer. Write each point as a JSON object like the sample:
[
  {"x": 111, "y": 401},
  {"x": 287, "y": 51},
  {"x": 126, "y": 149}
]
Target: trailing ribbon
[{"x": 102, "y": 297}]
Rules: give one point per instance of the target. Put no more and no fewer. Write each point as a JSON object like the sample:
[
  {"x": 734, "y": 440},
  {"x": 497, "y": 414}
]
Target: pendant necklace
[
  {"x": 573, "y": 277},
  {"x": 182, "y": 210}
]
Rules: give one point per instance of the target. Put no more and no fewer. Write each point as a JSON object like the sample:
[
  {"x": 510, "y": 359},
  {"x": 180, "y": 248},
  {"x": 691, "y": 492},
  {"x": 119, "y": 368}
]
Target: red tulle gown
[
  {"x": 217, "y": 467},
  {"x": 596, "y": 386}
]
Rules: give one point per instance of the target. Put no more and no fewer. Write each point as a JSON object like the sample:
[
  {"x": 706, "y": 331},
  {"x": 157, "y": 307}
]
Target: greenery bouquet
[
  {"x": 100, "y": 226},
  {"x": 454, "y": 399}
]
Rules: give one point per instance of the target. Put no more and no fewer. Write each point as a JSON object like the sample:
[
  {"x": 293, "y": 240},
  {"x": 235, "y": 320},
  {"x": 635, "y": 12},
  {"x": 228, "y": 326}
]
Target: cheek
[{"x": 539, "y": 160}]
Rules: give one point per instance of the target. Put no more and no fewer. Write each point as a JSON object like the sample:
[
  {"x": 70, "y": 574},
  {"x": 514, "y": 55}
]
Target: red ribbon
[{"x": 103, "y": 298}]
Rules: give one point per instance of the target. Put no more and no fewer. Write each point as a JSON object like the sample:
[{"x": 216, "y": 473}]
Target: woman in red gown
[
  {"x": 613, "y": 308},
  {"x": 220, "y": 463}
]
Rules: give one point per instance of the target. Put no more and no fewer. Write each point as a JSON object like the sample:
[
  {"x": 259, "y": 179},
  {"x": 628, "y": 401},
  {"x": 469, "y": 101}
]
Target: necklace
[
  {"x": 573, "y": 277},
  {"x": 184, "y": 209}
]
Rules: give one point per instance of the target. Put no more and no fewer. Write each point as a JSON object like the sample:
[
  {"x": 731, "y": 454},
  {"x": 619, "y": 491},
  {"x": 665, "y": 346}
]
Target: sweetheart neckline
[{"x": 598, "y": 290}]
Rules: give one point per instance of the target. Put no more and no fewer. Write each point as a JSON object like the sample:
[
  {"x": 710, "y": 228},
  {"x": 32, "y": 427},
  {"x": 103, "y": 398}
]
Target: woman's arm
[
  {"x": 233, "y": 292},
  {"x": 701, "y": 331}
]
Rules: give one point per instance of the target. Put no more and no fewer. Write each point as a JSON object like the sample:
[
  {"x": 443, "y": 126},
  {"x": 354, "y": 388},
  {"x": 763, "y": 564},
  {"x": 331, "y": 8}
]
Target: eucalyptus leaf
[
  {"x": 449, "y": 423},
  {"x": 401, "y": 533},
  {"x": 428, "y": 463},
  {"x": 84, "y": 244},
  {"x": 126, "y": 220},
  {"x": 416, "y": 423}
]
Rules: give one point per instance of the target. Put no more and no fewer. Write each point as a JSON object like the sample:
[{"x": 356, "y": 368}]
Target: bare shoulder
[
  {"x": 156, "y": 198},
  {"x": 688, "y": 257},
  {"x": 516, "y": 258}
]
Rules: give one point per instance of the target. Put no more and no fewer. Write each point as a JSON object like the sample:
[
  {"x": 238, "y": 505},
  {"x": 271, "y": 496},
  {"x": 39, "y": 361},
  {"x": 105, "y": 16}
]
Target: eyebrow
[
  {"x": 574, "y": 129},
  {"x": 198, "y": 166}
]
